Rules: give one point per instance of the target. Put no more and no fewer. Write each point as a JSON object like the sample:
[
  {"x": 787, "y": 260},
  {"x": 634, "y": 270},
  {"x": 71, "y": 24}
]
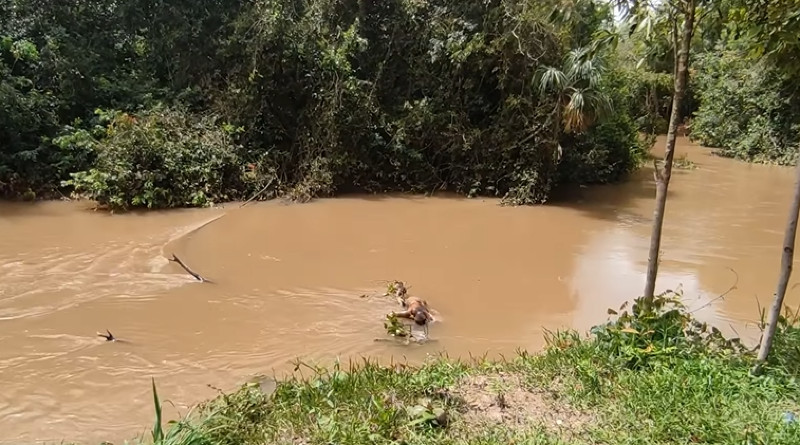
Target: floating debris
[{"x": 108, "y": 335}]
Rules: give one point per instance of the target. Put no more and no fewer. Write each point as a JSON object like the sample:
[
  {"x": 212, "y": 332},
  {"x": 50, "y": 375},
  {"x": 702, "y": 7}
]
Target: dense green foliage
[
  {"x": 747, "y": 111},
  {"x": 330, "y": 96},
  {"x": 645, "y": 75},
  {"x": 746, "y": 81},
  {"x": 651, "y": 375},
  {"x": 605, "y": 154},
  {"x": 27, "y": 116},
  {"x": 742, "y": 97},
  {"x": 161, "y": 158},
  {"x": 649, "y": 96},
  {"x": 399, "y": 95},
  {"x": 505, "y": 98}
]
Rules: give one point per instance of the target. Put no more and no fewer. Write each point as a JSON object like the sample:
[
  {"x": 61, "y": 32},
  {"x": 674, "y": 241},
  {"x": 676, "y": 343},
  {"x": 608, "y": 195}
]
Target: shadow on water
[
  {"x": 608, "y": 202},
  {"x": 25, "y": 209},
  {"x": 613, "y": 202},
  {"x": 50, "y": 208},
  {"x": 410, "y": 197}
]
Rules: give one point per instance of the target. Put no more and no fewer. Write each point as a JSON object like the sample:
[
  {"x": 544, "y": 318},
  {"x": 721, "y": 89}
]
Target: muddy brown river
[{"x": 288, "y": 281}]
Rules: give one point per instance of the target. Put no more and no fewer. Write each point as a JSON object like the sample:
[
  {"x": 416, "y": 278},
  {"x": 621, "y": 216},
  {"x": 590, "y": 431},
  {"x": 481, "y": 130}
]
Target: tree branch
[
  {"x": 722, "y": 295},
  {"x": 263, "y": 189},
  {"x": 196, "y": 275}
]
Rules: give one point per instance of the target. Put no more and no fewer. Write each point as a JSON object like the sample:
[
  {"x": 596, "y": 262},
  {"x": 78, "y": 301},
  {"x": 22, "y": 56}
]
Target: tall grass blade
[{"x": 158, "y": 432}]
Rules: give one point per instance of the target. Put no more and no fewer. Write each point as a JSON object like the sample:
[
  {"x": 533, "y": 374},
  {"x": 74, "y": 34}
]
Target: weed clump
[
  {"x": 656, "y": 328},
  {"x": 684, "y": 163},
  {"x": 785, "y": 355}
]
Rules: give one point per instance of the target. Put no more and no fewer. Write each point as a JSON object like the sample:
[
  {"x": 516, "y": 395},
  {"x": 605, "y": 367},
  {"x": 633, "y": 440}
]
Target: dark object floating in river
[{"x": 109, "y": 336}]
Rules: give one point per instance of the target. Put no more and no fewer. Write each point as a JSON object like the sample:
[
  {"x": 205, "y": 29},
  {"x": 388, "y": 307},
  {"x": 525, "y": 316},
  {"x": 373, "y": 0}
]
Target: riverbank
[{"x": 654, "y": 377}]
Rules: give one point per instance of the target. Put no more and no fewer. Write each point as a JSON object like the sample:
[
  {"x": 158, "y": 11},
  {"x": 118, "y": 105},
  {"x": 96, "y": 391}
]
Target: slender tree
[
  {"x": 773, "y": 27},
  {"x": 686, "y": 9},
  {"x": 787, "y": 257},
  {"x": 681, "y": 14}
]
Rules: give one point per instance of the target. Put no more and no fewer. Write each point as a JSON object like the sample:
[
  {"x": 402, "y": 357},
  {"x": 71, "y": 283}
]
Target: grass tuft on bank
[{"x": 652, "y": 375}]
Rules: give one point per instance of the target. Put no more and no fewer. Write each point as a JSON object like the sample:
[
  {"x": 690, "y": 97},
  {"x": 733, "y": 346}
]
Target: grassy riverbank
[{"x": 649, "y": 377}]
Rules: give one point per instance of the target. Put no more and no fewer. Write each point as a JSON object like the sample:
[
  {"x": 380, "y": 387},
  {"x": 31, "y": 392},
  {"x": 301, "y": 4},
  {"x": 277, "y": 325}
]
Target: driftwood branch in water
[
  {"x": 196, "y": 275},
  {"x": 257, "y": 193},
  {"x": 722, "y": 295}
]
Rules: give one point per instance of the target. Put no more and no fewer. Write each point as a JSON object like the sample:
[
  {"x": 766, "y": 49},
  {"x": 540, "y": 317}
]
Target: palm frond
[
  {"x": 583, "y": 64},
  {"x": 551, "y": 79},
  {"x": 599, "y": 103},
  {"x": 583, "y": 109},
  {"x": 574, "y": 112},
  {"x": 575, "y": 57}
]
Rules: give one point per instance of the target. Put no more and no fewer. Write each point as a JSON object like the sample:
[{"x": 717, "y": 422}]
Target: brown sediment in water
[{"x": 287, "y": 281}]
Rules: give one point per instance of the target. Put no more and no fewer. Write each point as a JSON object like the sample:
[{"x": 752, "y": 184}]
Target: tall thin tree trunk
[
  {"x": 786, "y": 271},
  {"x": 663, "y": 175}
]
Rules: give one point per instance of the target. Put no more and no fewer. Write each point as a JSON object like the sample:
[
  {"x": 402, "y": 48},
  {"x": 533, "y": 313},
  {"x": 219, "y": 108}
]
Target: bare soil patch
[{"x": 504, "y": 398}]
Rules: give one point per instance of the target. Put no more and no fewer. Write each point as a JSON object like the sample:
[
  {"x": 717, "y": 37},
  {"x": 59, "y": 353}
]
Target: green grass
[
  {"x": 651, "y": 384},
  {"x": 678, "y": 400}
]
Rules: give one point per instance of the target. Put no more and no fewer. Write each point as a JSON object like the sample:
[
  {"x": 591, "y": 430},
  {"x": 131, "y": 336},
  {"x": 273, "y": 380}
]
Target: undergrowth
[
  {"x": 747, "y": 109},
  {"x": 651, "y": 375},
  {"x": 164, "y": 158},
  {"x": 219, "y": 99}
]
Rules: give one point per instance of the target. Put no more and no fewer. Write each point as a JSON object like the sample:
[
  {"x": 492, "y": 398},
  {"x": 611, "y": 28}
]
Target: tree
[
  {"x": 687, "y": 8},
  {"x": 324, "y": 96},
  {"x": 787, "y": 257},
  {"x": 681, "y": 14},
  {"x": 774, "y": 27}
]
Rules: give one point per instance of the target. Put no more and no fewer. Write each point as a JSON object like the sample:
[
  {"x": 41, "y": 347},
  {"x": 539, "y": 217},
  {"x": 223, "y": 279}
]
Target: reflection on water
[{"x": 288, "y": 281}]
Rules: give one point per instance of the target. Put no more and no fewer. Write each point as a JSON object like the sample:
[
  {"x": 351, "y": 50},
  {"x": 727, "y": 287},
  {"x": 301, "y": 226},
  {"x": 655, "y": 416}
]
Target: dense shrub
[
  {"x": 407, "y": 95},
  {"x": 744, "y": 110},
  {"x": 333, "y": 96},
  {"x": 647, "y": 97},
  {"x": 161, "y": 158},
  {"x": 606, "y": 153},
  {"x": 59, "y": 61},
  {"x": 657, "y": 328},
  {"x": 27, "y": 117}
]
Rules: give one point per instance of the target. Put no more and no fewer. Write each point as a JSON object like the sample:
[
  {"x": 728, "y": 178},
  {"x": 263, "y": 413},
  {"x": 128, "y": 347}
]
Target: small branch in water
[
  {"x": 257, "y": 193},
  {"x": 196, "y": 275},
  {"x": 63, "y": 198},
  {"x": 722, "y": 295},
  {"x": 109, "y": 336}
]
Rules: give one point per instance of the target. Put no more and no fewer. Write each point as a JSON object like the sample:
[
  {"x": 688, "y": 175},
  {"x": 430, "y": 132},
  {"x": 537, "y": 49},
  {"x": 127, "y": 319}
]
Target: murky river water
[{"x": 288, "y": 281}]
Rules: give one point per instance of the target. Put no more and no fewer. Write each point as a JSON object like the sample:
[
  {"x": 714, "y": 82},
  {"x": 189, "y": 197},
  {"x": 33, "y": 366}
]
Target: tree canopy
[
  {"x": 312, "y": 96},
  {"x": 506, "y": 98}
]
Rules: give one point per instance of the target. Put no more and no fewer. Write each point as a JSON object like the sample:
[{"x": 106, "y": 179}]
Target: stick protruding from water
[
  {"x": 108, "y": 335},
  {"x": 196, "y": 275}
]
